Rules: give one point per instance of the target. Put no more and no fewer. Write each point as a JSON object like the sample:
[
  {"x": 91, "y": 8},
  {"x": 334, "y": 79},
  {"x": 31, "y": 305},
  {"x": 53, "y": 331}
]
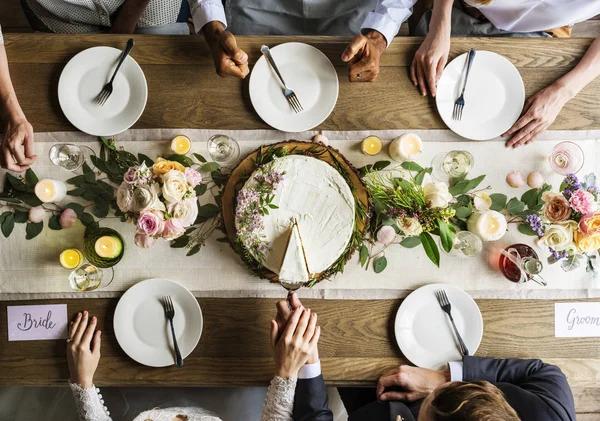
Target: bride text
[{"x": 29, "y": 322}]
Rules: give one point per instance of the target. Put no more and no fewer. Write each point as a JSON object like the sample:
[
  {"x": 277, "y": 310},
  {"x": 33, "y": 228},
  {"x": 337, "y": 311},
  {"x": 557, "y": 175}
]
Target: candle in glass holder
[
  {"x": 108, "y": 247},
  {"x": 50, "y": 190},
  {"x": 71, "y": 258},
  {"x": 405, "y": 147},
  {"x": 488, "y": 225},
  {"x": 181, "y": 145},
  {"x": 371, "y": 145}
]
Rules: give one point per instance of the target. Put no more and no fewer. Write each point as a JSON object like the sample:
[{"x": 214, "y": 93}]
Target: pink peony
[
  {"x": 150, "y": 223},
  {"x": 583, "y": 202},
  {"x": 36, "y": 214},
  {"x": 173, "y": 229},
  {"x": 144, "y": 241},
  {"x": 67, "y": 218},
  {"x": 193, "y": 177},
  {"x": 386, "y": 235}
]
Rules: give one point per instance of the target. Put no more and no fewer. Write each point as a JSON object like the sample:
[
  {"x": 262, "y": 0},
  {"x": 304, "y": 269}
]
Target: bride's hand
[
  {"x": 83, "y": 350},
  {"x": 297, "y": 342}
]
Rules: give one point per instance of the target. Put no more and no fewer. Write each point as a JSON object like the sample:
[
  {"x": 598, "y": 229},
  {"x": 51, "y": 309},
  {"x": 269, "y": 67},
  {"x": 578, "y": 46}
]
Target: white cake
[
  {"x": 319, "y": 198},
  {"x": 294, "y": 268}
]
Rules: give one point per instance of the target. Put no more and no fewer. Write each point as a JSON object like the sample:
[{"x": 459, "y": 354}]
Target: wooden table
[{"x": 357, "y": 343}]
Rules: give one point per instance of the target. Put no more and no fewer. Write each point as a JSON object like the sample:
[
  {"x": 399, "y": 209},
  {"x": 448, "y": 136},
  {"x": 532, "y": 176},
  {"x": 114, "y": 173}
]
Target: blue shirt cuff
[
  {"x": 207, "y": 11},
  {"x": 383, "y": 23},
  {"x": 456, "y": 371},
  {"x": 310, "y": 371}
]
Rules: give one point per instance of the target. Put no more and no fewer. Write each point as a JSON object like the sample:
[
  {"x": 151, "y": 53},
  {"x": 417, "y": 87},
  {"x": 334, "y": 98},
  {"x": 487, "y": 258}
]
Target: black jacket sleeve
[
  {"x": 310, "y": 402},
  {"x": 537, "y": 385}
]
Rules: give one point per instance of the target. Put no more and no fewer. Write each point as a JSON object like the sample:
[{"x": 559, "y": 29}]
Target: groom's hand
[{"x": 407, "y": 383}]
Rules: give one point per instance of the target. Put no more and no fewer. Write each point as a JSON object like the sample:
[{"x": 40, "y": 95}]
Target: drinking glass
[
  {"x": 85, "y": 278},
  {"x": 67, "y": 156},
  {"x": 466, "y": 244},
  {"x": 454, "y": 164},
  {"x": 223, "y": 148},
  {"x": 520, "y": 263},
  {"x": 567, "y": 158}
]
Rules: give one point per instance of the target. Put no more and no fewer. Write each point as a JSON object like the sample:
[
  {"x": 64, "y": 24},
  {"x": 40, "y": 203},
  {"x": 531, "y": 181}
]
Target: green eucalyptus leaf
[
  {"x": 76, "y": 192},
  {"x": 200, "y": 189},
  {"x": 182, "y": 159},
  {"x": 411, "y": 166},
  {"x": 100, "y": 208},
  {"x": 524, "y": 228},
  {"x": 464, "y": 212},
  {"x": 18, "y": 184},
  {"x": 209, "y": 167},
  {"x": 515, "y": 206},
  {"x": 21, "y": 216},
  {"x": 54, "y": 224},
  {"x": 200, "y": 157},
  {"x": 530, "y": 197},
  {"x": 379, "y": 165},
  {"x": 180, "y": 242},
  {"x": 218, "y": 178},
  {"x": 76, "y": 207},
  {"x": 380, "y": 264},
  {"x": 145, "y": 160},
  {"x": 9, "y": 199},
  {"x": 86, "y": 218},
  {"x": 446, "y": 235},
  {"x": 32, "y": 229},
  {"x": 91, "y": 228},
  {"x": 3, "y": 217},
  {"x": 498, "y": 201},
  {"x": 431, "y": 248},
  {"x": 411, "y": 242},
  {"x": 420, "y": 176},
  {"x": 364, "y": 254},
  {"x": 193, "y": 250},
  {"x": 31, "y": 178},
  {"x": 8, "y": 225},
  {"x": 30, "y": 199}
]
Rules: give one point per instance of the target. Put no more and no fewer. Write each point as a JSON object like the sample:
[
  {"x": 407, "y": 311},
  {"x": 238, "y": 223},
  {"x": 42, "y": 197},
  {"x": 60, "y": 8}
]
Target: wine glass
[
  {"x": 566, "y": 158},
  {"x": 87, "y": 277},
  {"x": 466, "y": 244},
  {"x": 67, "y": 156},
  {"x": 520, "y": 263},
  {"x": 223, "y": 148},
  {"x": 454, "y": 164}
]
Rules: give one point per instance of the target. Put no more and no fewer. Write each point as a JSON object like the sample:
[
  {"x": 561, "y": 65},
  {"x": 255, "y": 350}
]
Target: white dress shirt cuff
[
  {"x": 456, "y": 371},
  {"x": 310, "y": 371},
  {"x": 383, "y": 23},
  {"x": 207, "y": 11}
]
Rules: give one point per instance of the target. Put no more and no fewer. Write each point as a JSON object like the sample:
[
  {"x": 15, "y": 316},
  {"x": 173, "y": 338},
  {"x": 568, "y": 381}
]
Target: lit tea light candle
[
  {"x": 371, "y": 145},
  {"x": 50, "y": 190},
  {"x": 71, "y": 258},
  {"x": 488, "y": 225},
  {"x": 108, "y": 247},
  {"x": 181, "y": 145},
  {"x": 405, "y": 147}
]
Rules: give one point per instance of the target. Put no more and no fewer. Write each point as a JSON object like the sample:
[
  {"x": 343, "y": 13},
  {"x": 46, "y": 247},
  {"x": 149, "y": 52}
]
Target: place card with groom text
[
  {"x": 576, "y": 320},
  {"x": 39, "y": 322}
]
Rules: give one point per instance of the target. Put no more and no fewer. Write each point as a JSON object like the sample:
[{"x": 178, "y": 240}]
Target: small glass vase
[{"x": 89, "y": 248}]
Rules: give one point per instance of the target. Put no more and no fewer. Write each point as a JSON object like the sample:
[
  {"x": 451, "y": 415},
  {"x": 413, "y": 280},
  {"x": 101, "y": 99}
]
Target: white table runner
[{"x": 30, "y": 269}]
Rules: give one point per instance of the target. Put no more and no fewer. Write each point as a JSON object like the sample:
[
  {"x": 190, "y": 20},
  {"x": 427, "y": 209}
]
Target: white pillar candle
[
  {"x": 405, "y": 147},
  {"x": 50, "y": 190},
  {"x": 488, "y": 225}
]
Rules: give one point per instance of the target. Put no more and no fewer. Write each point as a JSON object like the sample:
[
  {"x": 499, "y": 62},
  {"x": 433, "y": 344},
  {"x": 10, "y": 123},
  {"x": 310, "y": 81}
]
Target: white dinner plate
[
  {"x": 306, "y": 71},
  {"x": 83, "y": 78},
  {"x": 142, "y": 329},
  {"x": 494, "y": 96},
  {"x": 424, "y": 332}
]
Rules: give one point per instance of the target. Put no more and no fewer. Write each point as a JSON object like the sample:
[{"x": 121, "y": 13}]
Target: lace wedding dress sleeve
[
  {"x": 90, "y": 405},
  {"x": 279, "y": 404}
]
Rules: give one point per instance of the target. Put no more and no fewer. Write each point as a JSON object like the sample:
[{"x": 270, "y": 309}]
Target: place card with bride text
[
  {"x": 31, "y": 323},
  {"x": 576, "y": 320}
]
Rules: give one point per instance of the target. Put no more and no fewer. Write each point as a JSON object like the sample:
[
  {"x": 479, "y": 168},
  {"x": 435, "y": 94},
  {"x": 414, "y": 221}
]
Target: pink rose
[
  {"x": 193, "y": 177},
  {"x": 144, "y": 241},
  {"x": 131, "y": 176},
  {"x": 583, "y": 202},
  {"x": 386, "y": 234},
  {"x": 150, "y": 223},
  {"x": 36, "y": 214},
  {"x": 173, "y": 229},
  {"x": 67, "y": 218}
]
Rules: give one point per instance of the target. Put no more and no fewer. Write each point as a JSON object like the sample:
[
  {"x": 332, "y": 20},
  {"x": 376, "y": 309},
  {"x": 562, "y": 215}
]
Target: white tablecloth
[{"x": 30, "y": 269}]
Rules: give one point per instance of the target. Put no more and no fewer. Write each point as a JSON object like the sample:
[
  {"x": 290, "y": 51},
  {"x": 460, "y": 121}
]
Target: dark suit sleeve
[
  {"x": 310, "y": 401},
  {"x": 544, "y": 381}
]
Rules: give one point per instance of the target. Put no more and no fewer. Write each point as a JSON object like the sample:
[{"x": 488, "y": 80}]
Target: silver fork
[
  {"x": 167, "y": 304},
  {"x": 460, "y": 102},
  {"x": 447, "y": 307},
  {"x": 291, "y": 97},
  {"x": 107, "y": 90}
]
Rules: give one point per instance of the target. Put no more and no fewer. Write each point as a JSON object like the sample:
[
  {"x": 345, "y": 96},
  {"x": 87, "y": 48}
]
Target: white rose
[
  {"x": 410, "y": 226},
  {"x": 174, "y": 186},
  {"x": 559, "y": 237},
  {"x": 124, "y": 197},
  {"x": 145, "y": 197},
  {"x": 436, "y": 193},
  {"x": 186, "y": 211}
]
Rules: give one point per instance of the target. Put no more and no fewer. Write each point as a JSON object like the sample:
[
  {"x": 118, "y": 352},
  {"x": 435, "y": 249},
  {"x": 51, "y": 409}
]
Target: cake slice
[{"x": 294, "y": 269}]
